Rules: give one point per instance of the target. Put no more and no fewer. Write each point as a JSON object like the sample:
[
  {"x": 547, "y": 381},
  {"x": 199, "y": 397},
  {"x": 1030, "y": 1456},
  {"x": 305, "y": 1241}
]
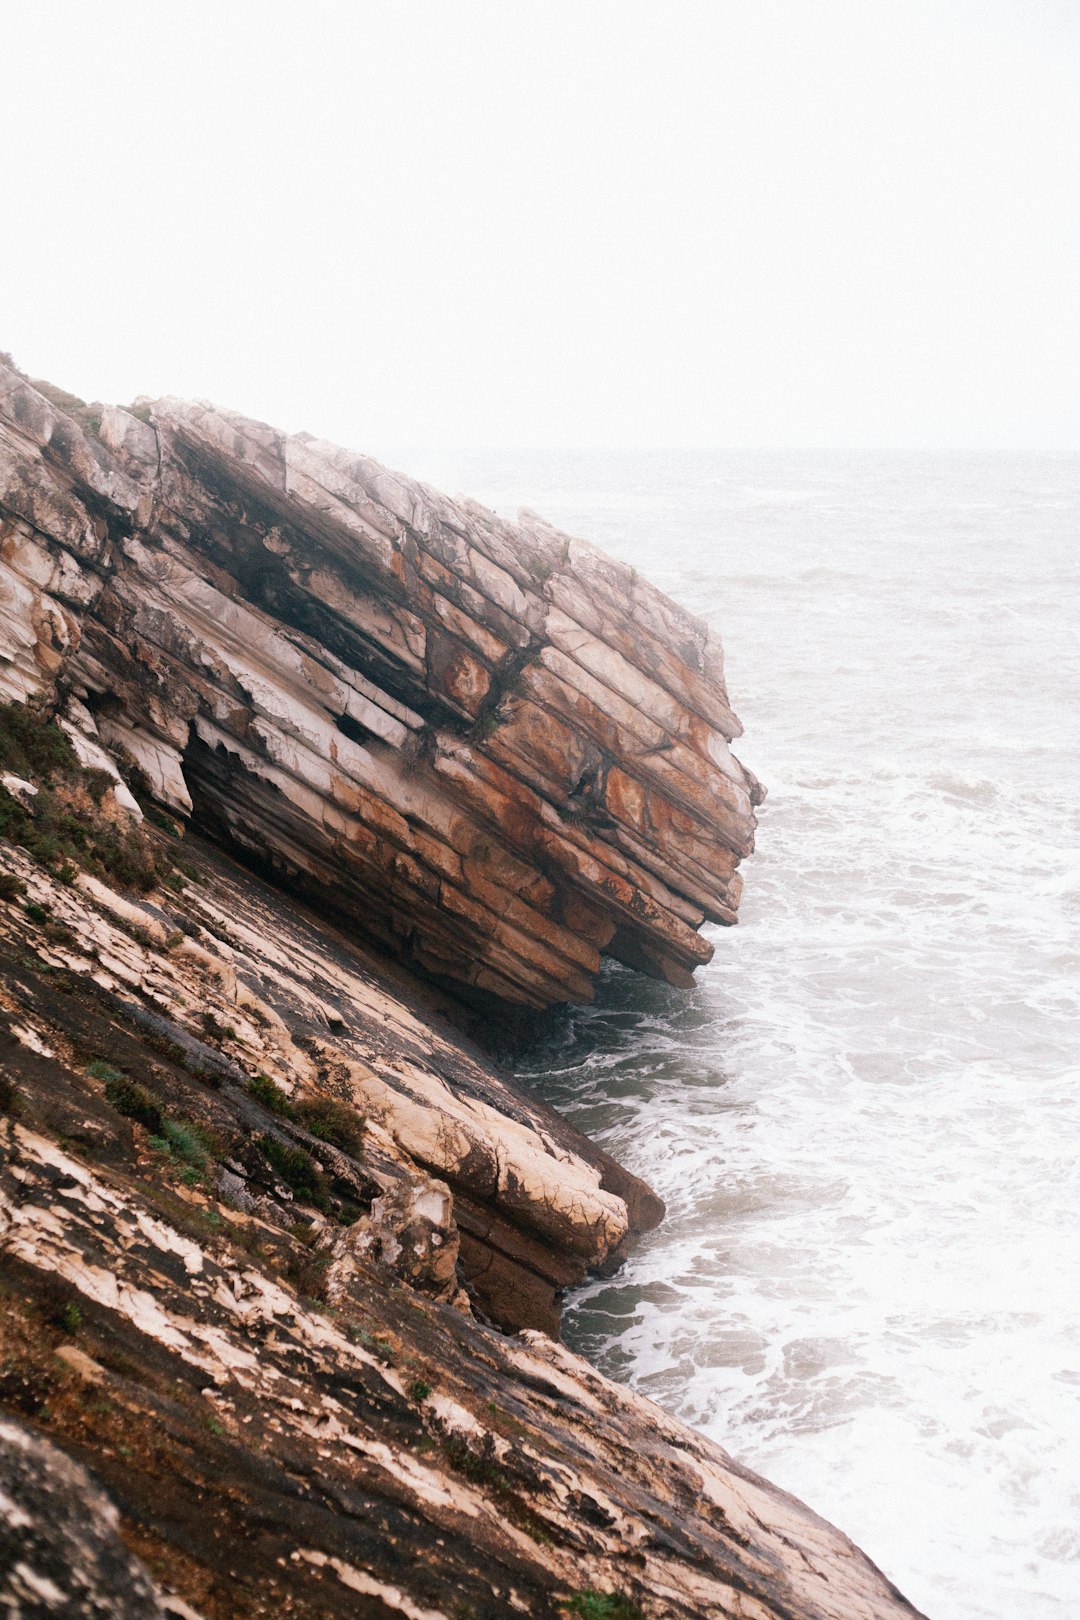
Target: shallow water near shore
[{"x": 865, "y": 1118}]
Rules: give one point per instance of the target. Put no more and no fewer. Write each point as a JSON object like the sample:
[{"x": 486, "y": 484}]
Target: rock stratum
[
  {"x": 293, "y": 752},
  {"x": 500, "y": 751}
]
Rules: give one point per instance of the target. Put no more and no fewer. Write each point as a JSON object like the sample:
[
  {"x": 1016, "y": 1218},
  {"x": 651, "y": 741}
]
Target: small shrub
[
  {"x": 297, "y": 1169},
  {"x": 308, "y": 1276},
  {"x": 592, "y": 1605},
  {"x": 186, "y": 1142},
  {"x": 157, "y": 818},
  {"x": 269, "y": 1093},
  {"x": 333, "y": 1122},
  {"x": 419, "y": 1390},
  {"x": 214, "y": 1029},
  {"x": 37, "y": 913},
  {"x": 133, "y": 1101},
  {"x": 11, "y": 887},
  {"x": 87, "y": 416},
  {"x": 481, "y": 1467},
  {"x": 69, "y": 1317},
  {"x": 33, "y": 747},
  {"x": 100, "y": 1070},
  {"x": 97, "y": 782},
  {"x": 486, "y": 725}
]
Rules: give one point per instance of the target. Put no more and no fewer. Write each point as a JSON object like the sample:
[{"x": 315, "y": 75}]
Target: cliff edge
[
  {"x": 291, "y": 746},
  {"x": 493, "y": 748}
]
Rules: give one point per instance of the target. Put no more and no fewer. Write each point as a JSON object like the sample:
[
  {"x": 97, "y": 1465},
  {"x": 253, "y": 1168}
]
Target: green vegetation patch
[
  {"x": 592, "y": 1605},
  {"x": 33, "y": 747},
  {"x": 297, "y": 1169},
  {"x": 269, "y": 1093},
  {"x": 332, "y": 1122},
  {"x": 87, "y": 416},
  {"x": 132, "y": 1100},
  {"x": 69, "y": 822}
]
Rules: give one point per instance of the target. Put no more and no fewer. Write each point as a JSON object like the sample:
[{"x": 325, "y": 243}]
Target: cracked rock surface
[{"x": 482, "y": 742}]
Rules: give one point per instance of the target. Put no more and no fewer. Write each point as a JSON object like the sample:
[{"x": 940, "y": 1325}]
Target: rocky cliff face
[
  {"x": 280, "y": 1249},
  {"x": 484, "y": 743}
]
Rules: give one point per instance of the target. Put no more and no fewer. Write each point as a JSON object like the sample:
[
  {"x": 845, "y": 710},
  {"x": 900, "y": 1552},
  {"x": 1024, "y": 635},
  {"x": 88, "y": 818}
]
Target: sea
[{"x": 865, "y": 1117}]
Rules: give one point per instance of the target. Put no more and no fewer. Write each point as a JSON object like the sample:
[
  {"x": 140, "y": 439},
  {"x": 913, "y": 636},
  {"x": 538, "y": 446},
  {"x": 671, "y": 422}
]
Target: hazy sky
[{"x": 562, "y": 223}]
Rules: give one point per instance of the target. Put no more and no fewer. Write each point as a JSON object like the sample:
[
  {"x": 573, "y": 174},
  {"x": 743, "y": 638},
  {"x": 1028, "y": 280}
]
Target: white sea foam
[{"x": 866, "y": 1117}]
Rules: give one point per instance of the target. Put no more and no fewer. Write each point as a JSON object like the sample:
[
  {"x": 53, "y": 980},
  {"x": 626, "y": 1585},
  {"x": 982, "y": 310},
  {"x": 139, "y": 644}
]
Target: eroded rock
[{"x": 483, "y": 743}]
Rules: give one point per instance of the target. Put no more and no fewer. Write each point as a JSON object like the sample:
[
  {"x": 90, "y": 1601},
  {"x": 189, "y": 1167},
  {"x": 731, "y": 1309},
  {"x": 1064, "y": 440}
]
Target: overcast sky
[{"x": 562, "y": 223}]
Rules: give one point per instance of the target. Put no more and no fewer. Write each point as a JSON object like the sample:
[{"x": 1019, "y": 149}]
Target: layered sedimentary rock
[
  {"x": 280, "y": 1249},
  {"x": 484, "y": 743},
  {"x": 270, "y": 1349}
]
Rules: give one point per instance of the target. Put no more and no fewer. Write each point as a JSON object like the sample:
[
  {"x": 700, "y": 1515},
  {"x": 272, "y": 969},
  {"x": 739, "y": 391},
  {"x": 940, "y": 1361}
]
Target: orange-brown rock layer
[{"x": 482, "y": 743}]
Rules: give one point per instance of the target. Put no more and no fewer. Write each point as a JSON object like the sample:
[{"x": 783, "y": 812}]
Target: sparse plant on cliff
[
  {"x": 269, "y": 1093},
  {"x": 129, "y": 1098},
  {"x": 87, "y": 416},
  {"x": 593, "y": 1605},
  {"x": 214, "y": 1029},
  {"x": 332, "y": 1121},
  {"x": 71, "y": 821},
  {"x": 297, "y": 1169},
  {"x": 486, "y": 725}
]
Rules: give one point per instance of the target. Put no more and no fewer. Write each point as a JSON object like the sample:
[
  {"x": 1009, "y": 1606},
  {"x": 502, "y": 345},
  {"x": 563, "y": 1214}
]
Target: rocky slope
[{"x": 280, "y": 1248}]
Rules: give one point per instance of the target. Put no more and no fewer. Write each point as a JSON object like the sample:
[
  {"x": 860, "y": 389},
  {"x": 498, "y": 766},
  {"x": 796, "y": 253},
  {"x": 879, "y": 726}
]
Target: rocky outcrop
[
  {"x": 465, "y": 1180},
  {"x": 482, "y": 743},
  {"x": 257, "y": 1314},
  {"x": 280, "y": 1249}
]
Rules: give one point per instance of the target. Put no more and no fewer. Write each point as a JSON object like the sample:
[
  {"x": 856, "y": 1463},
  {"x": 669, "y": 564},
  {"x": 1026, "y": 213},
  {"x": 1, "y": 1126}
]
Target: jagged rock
[
  {"x": 483, "y": 743},
  {"x": 463, "y": 1176}
]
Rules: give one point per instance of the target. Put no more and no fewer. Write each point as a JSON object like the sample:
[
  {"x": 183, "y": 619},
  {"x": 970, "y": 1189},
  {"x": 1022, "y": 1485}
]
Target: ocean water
[{"x": 865, "y": 1119}]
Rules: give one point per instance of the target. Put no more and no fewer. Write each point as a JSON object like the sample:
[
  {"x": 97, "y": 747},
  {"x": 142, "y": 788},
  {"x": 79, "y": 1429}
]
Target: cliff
[
  {"x": 495, "y": 749},
  {"x": 291, "y": 747}
]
